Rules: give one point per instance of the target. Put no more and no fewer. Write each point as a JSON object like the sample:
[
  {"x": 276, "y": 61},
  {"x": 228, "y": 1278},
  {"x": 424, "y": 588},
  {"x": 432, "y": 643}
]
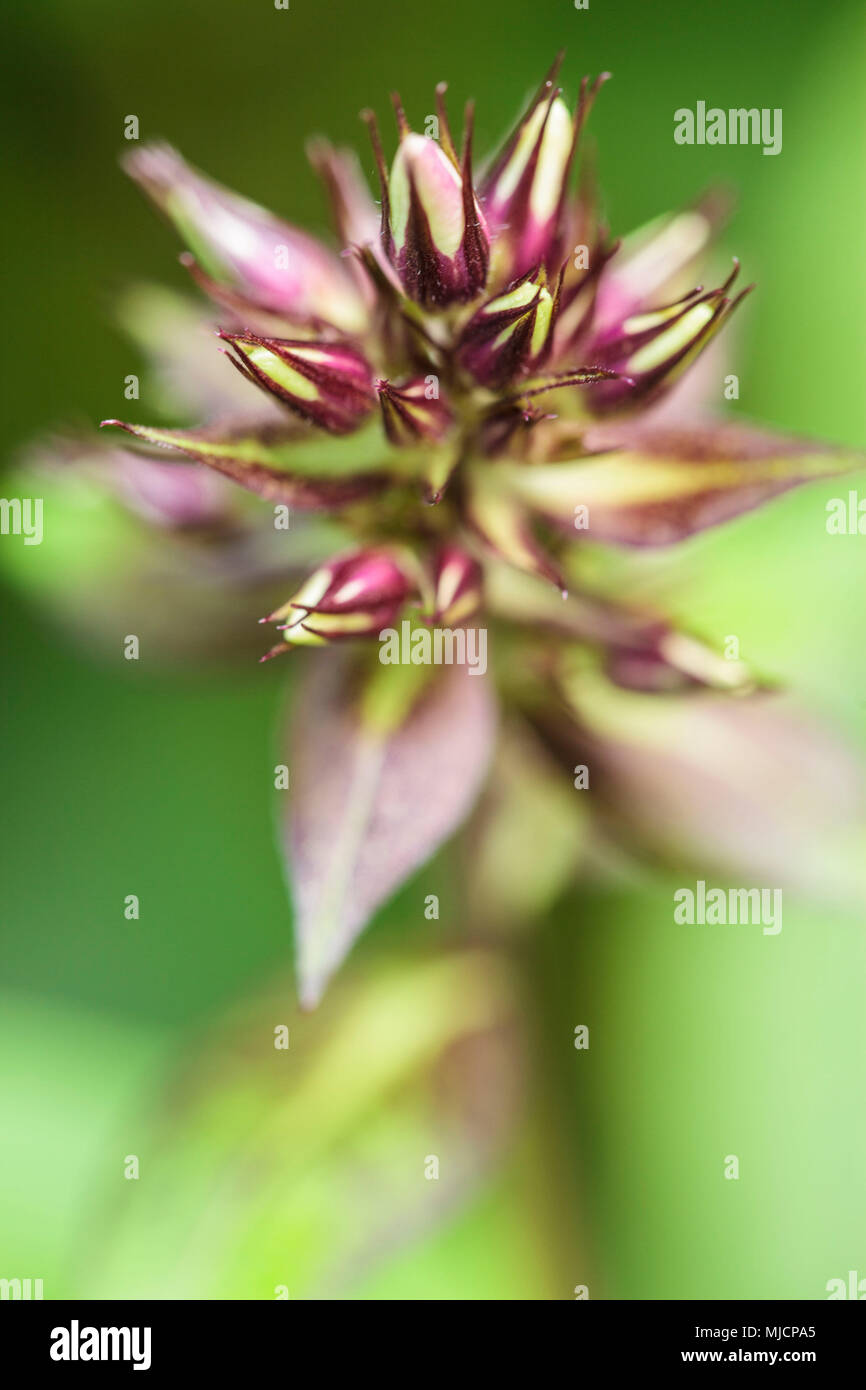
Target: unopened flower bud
[
  {"x": 410, "y": 413},
  {"x": 352, "y": 596},
  {"x": 329, "y": 384},
  {"x": 456, "y": 587},
  {"x": 511, "y": 334},
  {"x": 653, "y": 349},
  {"x": 650, "y": 263},
  {"x": 434, "y": 232},
  {"x": 524, "y": 192}
]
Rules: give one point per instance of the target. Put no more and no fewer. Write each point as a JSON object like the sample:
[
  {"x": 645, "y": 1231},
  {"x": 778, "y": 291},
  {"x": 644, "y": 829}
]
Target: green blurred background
[{"x": 119, "y": 779}]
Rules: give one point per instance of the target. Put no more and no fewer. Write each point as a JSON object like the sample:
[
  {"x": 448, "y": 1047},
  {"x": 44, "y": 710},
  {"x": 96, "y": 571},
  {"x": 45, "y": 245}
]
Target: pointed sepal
[{"x": 413, "y": 412}]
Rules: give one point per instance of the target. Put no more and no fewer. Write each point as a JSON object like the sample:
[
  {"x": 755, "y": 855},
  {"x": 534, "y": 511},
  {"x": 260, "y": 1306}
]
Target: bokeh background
[{"x": 138, "y": 1038}]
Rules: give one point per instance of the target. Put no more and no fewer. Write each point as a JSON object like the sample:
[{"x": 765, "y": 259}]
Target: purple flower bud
[
  {"x": 511, "y": 334},
  {"x": 653, "y": 349},
  {"x": 328, "y": 384},
  {"x": 456, "y": 586},
  {"x": 433, "y": 231},
  {"x": 277, "y": 267},
  {"x": 650, "y": 264},
  {"x": 413, "y": 411},
  {"x": 351, "y": 596},
  {"x": 525, "y": 190}
]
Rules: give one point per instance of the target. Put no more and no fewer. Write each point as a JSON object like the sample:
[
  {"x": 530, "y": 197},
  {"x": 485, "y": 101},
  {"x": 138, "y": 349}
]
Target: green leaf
[
  {"x": 302, "y": 1168},
  {"x": 527, "y": 842}
]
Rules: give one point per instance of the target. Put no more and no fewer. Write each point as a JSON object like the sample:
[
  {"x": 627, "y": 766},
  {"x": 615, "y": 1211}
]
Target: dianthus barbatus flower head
[
  {"x": 464, "y": 386},
  {"x": 462, "y": 348}
]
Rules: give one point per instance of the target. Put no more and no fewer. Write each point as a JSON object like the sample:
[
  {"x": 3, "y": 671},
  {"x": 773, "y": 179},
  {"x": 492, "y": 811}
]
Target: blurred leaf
[
  {"x": 660, "y": 484},
  {"x": 373, "y": 797},
  {"x": 526, "y": 843},
  {"x": 64, "y": 1108},
  {"x": 745, "y": 784},
  {"x": 309, "y": 1166},
  {"x": 276, "y": 461},
  {"x": 116, "y": 561},
  {"x": 188, "y": 375},
  {"x": 502, "y": 522}
]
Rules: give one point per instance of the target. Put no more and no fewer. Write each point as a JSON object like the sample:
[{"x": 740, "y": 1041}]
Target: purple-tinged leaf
[
  {"x": 661, "y": 484},
  {"x": 274, "y": 461},
  {"x": 748, "y": 786},
  {"x": 371, "y": 797},
  {"x": 642, "y": 651}
]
